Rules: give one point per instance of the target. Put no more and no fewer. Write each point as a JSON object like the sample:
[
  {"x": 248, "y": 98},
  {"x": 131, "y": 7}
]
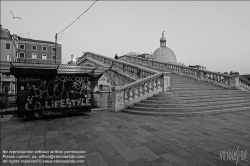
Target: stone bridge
[{"x": 143, "y": 86}]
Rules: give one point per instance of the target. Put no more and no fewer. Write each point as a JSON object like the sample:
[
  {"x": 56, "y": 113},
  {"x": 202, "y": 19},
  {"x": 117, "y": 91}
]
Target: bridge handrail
[
  {"x": 140, "y": 81},
  {"x": 136, "y": 71},
  {"x": 244, "y": 83},
  {"x": 123, "y": 96},
  {"x": 221, "y": 79}
]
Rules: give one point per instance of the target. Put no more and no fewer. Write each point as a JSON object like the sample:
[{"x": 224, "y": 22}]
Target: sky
[{"x": 215, "y": 34}]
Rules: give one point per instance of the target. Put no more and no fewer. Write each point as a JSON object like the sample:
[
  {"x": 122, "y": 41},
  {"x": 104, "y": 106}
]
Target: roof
[
  {"x": 33, "y": 40},
  {"x": 5, "y": 34},
  {"x": 5, "y": 67}
]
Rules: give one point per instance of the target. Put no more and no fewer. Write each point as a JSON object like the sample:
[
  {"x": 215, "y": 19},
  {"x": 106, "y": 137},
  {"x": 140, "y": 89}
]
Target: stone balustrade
[
  {"x": 134, "y": 71},
  {"x": 244, "y": 83},
  {"x": 123, "y": 96},
  {"x": 224, "y": 80}
]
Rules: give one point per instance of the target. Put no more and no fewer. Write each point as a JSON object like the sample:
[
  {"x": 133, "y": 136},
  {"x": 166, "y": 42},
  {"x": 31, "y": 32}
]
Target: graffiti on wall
[{"x": 36, "y": 93}]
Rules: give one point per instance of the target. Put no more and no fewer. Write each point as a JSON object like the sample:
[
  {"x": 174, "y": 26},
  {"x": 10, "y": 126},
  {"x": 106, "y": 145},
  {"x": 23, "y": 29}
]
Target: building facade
[
  {"x": 8, "y": 53},
  {"x": 38, "y": 51}
]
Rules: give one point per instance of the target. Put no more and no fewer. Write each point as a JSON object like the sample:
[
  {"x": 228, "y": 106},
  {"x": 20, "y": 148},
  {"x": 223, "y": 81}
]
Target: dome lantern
[{"x": 163, "y": 40}]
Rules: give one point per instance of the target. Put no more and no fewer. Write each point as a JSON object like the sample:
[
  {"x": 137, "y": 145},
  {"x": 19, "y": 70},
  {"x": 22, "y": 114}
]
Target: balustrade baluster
[
  {"x": 135, "y": 92},
  {"x": 140, "y": 90},
  {"x": 130, "y": 94},
  {"x": 145, "y": 88},
  {"x": 158, "y": 83},
  {"x": 154, "y": 85},
  {"x": 125, "y": 96},
  {"x": 150, "y": 87}
]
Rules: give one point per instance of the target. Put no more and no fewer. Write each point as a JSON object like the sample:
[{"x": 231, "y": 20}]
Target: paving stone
[
  {"x": 52, "y": 141},
  {"x": 145, "y": 153},
  {"x": 87, "y": 146},
  {"x": 130, "y": 142},
  {"x": 19, "y": 146},
  {"x": 119, "y": 134},
  {"x": 141, "y": 162},
  {"x": 69, "y": 144},
  {"x": 95, "y": 159},
  {"x": 54, "y": 147},
  {"x": 38, "y": 133},
  {"x": 196, "y": 160},
  {"x": 52, "y": 134},
  {"x": 178, "y": 150},
  {"x": 174, "y": 160},
  {"x": 158, "y": 140},
  {"x": 204, "y": 154},
  {"x": 63, "y": 129},
  {"x": 128, "y": 154},
  {"x": 160, "y": 162},
  {"x": 241, "y": 142},
  {"x": 157, "y": 149},
  {"x": 36, "y": 140},
  {"x": 147, "y": 128},
  {"x": 106, "y": 150},
  {"x": 128, "y": 131},
  {"x": 139, "y": 138},
  {"x": 202, "y": 146},
  {"x": 36, "y": 147},
  {"x": 116, "y": 143},
  {"x": 66, "y": 136},
  {"x": 23, "y": 137},
  {"x": 116, "y": 161},
  {"x": 143, "y": 132},
  {"x": 81, "y": 138},
  {"x": 107, "y": 135}
]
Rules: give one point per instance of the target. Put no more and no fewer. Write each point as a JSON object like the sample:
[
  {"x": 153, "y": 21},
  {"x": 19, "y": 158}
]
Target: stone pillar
[
  {"x": 166, "y": 81},
  {"x": 202, "y": 75},
  {"x": 117, "y": 99},
  {"x": 235, "y": 81}
]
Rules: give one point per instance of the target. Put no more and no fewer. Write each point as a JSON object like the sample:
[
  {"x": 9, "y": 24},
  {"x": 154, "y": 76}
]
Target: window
[
  {"x": 34, "y": 48},
  {"x": 8, "y": 58},
  {"x": 21, "y": 55},
  {"x": 7, "y": 46},
  {"x": 44, "y": 48},
  {"x": 44, "y": 56},
  {"x": 53, "y": 49},
  {"x": 34, "y": 56},
  {"x": 22, "y": 46},
  {"x": 54, "y": 57}
]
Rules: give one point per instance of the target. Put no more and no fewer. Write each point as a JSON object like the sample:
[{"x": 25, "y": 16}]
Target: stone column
[
  {"x": 235, "y": 82},
  {"x": 117, "y": 99},
  {"x": 166, "y": 81},
  {"x": 202, "y": 75}
]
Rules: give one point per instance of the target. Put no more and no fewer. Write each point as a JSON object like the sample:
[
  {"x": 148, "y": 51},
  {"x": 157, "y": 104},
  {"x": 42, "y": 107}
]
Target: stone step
[
  {"x": 222, "y": 91},
  {"x": 199, "y": 106},
  {"x": 194, "y": 102},
  {"x": 194, "y": 88},
  {"x": 192, "y": 113},
  {"x": 202, "y": 95}
]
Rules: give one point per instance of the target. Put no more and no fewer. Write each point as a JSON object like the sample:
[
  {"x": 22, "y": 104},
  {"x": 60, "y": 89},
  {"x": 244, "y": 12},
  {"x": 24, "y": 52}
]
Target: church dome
[{"x": 164, "y": 54}]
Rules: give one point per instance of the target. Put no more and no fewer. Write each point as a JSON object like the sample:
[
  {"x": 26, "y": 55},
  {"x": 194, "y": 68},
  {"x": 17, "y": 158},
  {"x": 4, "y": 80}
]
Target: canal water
[{"x": 101, "y": 100}]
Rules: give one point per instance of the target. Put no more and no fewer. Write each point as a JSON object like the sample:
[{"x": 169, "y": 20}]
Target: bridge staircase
[
  {"x": 174, "y": 90},
  {"x": 192, "y": 97}
]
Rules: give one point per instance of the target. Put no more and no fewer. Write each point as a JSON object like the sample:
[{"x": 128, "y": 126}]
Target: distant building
[
  {"x": 38, "y": 51},
  {"x": 73, "y": 60},
  {"x": 8, "y": 53},
  {"x": 145, "y": 55}
]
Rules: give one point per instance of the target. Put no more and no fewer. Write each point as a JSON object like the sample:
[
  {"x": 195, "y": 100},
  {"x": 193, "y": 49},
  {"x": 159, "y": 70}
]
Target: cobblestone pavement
[{"x": 120, "y": 139}]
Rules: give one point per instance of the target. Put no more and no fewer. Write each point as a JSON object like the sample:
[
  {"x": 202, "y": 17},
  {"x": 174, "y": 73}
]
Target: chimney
[{"x": 72, "y": 57}]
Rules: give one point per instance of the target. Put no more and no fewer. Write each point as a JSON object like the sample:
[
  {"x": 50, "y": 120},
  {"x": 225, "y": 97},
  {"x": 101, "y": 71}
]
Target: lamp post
[{"x": 55, "y": 47}]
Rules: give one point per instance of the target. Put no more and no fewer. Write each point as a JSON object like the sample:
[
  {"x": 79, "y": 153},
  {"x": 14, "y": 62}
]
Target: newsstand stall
[{"x": 53, "y": 89}]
